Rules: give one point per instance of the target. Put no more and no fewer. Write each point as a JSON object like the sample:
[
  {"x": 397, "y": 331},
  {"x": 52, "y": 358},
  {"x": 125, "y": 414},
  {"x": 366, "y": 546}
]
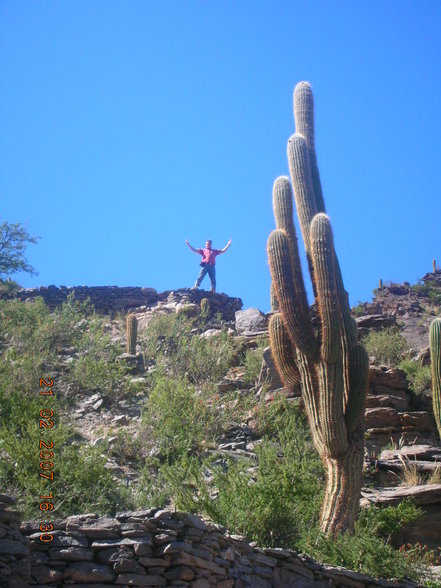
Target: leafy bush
[
  {"x": 273, "y": 503},
  {"x": 369, "y": 550},
  {"x": 170, "y": 342},
  {"x": 419, "y": 376},
  {"x": 253, "y": 362},
  {"x": 387, "y": 345},
  {"x": 359, "y": 309},
  {"x": 31, "y": 337},
  {"x": 429, "y": 288},
  {"x": 179, "y": 418},
  {"x": 75, "y": 468}
]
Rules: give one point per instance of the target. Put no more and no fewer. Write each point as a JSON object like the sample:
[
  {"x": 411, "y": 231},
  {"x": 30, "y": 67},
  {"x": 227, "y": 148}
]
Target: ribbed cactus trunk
[
  {"x": 318, "y": 347},
  {"x": 435, "y": 357},
  {"x": 132, "y": 333}
]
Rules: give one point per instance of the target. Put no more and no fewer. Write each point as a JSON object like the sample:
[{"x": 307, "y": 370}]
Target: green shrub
[
  {"x": 169, "y": 340},
  {"x": 359, "y": 309},
  {"x": 272, "y": 505},
  {"x": 369, "y": 550},
  {"x": 31, "y": 337},
  {"x": 387, "y": 346},
  {"x": 431, "y": 289},
  {"x": 179, "y": 418},
  {"x": 97, "y": 367},
  {"x": 419, "y": 376},
  {"x": 77, "y": 470},
  {"x": 253, "y": 362}
]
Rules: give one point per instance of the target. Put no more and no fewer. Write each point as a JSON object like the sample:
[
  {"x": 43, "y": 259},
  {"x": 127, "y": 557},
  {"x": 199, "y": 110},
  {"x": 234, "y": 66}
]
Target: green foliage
[
  {"x": 9, "y": 286},
  {"x": 13, "y": 240},
  {"x": 96, "y": 367},
  {"x": 359, "y": 309},
  {"x": 272, "y": 504},
  {"x": 170, "y": 341},
  {"x": 31, "y": 338},
  {"x": 419, "y": 376},
  {"x": 179, "y": 418},
  {"x": 387, "y": 346},
  {"x": 369, "y": 550},
  {"x": 76, "y": 469},
  {"x": 431, "y": 289},
  {"x": 253, "y": 362}
]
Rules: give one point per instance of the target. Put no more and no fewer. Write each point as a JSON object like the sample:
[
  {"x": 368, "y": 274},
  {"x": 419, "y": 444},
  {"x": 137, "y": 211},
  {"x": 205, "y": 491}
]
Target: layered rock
[{"x": 389, "y": 417}]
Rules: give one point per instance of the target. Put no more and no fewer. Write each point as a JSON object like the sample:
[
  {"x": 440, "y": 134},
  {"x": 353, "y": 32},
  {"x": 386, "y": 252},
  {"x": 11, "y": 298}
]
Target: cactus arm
[
  {"x": 304, "y": 121},
  {"x": 290, "y": 292},
  {"x": 299, "y": 167},
  {"x": 435, "y": 357},
  {"x": 282, "y": 206},
  {"x": 283, "y": 214},
  {"x": 323, "y": 255},
  {"x": 283, "y": 353},
  {"x": 358, "y": 380}
]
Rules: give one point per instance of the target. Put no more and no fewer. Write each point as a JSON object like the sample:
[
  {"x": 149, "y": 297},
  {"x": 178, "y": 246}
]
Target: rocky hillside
[{"x": 201, "y": 391}]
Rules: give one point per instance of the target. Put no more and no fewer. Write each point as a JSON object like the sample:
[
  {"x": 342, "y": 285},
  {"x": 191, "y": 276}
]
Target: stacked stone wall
[
  {"x": 163, "y": 548},
  {"x": 15, "y": 565}
]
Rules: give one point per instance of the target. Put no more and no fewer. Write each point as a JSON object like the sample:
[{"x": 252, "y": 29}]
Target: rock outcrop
[{"x": 111, "y": 299}]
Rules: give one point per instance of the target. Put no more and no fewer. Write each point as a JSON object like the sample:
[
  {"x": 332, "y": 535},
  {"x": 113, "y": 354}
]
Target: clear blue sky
[{"x": 128, "y": 126}]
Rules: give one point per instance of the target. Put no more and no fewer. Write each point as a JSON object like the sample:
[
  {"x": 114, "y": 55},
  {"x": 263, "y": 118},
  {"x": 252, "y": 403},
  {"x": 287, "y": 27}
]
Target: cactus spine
[
  {"x": 435, "y": 357},
  {"x": 132, "y": 332},
  {"x": 318, "y": 348}
]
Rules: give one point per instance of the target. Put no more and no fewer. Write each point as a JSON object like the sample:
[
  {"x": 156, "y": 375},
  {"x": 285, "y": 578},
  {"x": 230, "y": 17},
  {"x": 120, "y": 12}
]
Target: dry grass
[
  {"x": 435, "y": 476},
  {"x": 409, "y": 475}
]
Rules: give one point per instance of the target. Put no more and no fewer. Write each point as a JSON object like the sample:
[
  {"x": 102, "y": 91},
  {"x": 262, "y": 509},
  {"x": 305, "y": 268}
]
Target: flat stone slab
[
  {"x": 424, "y": 494},
  {"x": 411, "y": 452}
]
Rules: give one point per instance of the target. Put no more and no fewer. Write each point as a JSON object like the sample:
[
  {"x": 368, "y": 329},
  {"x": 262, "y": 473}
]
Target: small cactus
[
  {"x": 434, "y": 265},
  {"x": 132, "y": 333},
  {"x": 435, "y": 357},
  {"x": 205, "y": 307},
  {"x": 380, "y": 284}
]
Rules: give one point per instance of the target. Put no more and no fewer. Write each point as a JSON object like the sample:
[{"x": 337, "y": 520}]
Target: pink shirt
[{"x": 209, "y": 255}]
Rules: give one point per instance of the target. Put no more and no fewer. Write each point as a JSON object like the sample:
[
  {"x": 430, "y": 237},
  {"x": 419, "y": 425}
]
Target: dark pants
[{"x": 211, "y": 271}]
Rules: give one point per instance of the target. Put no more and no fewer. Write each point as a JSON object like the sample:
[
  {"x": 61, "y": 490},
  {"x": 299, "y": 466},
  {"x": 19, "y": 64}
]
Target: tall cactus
[
  {"x": 132, "y": 333},
  {"x": 318, "y": 347},
  {"x": 435, "y": 357}
]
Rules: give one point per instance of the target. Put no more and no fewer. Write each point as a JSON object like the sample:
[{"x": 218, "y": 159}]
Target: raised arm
[
  {"x": 191, "y": 247},
  {"x": 226, "y": 247}
]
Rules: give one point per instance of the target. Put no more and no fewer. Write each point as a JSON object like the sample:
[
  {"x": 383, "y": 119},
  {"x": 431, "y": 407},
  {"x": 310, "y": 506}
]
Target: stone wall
[
  {"x": 15, "y": 565},
  {"x": 163, "y": 548},
  {"x": 111, "y": 299}
]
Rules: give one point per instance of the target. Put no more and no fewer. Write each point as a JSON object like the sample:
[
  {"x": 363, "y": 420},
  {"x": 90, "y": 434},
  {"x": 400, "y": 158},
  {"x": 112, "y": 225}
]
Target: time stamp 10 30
[{"x": 46, "y": 457}]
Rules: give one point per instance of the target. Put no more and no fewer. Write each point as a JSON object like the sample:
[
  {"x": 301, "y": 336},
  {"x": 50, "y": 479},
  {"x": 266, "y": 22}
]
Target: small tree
[{"x": 13, "y": 240}]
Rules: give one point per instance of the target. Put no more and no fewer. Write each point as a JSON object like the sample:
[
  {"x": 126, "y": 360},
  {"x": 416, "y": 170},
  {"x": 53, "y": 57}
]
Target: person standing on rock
[{"x": 208, "y": 262}]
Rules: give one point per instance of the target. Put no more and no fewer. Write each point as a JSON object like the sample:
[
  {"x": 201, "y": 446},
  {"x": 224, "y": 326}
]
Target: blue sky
[{"x": 127, "y": 127}]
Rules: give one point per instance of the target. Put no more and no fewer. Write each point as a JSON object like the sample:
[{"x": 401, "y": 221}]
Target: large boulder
[{"x": 251, "y": 322}]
